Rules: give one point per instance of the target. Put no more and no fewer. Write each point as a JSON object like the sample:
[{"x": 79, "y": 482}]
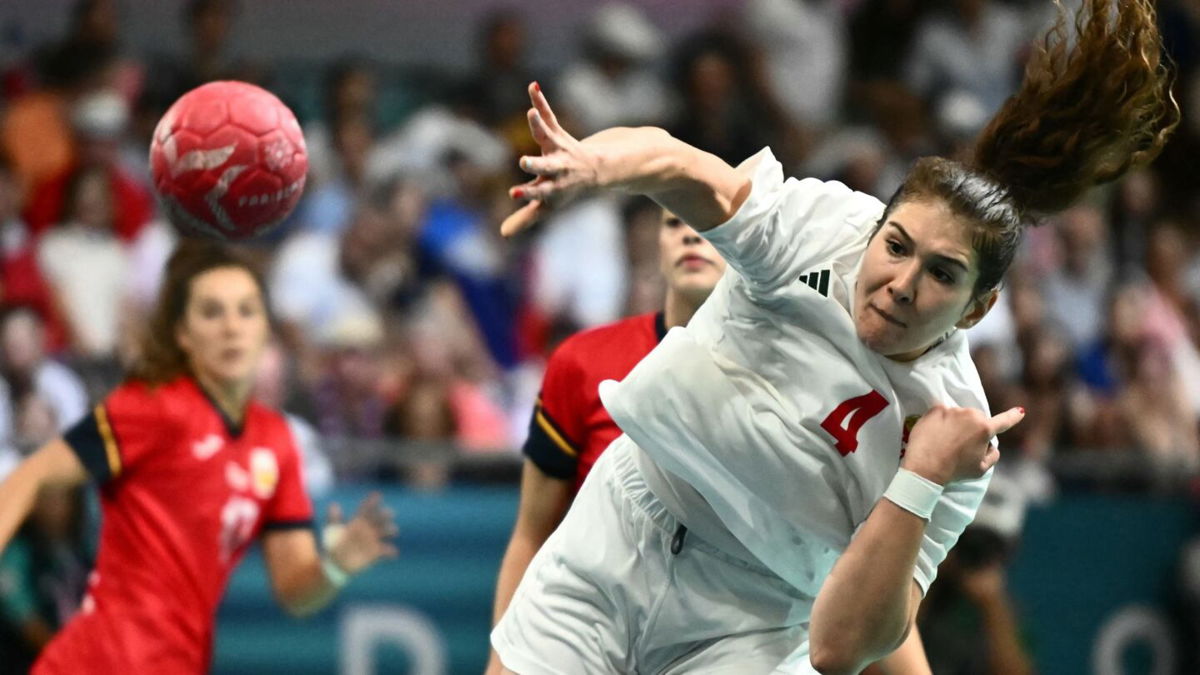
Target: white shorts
[{"x": 608, "y": 593}]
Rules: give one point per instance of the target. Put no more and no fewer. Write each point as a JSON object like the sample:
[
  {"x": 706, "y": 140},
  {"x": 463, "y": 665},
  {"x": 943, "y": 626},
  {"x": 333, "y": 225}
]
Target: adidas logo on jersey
[{"x": 818, "y": 281}]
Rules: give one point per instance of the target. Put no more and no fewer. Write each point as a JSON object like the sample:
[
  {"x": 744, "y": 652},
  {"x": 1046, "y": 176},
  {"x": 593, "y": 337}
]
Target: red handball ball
[{"x": 228, "y": 161}]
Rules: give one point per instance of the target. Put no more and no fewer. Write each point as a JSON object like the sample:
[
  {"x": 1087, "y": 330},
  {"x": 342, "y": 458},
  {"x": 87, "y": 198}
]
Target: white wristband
[
  {"x": 330, "y": 536},
  {"x": 337, "y": 576},
  {"x": 913, "y": 493}
]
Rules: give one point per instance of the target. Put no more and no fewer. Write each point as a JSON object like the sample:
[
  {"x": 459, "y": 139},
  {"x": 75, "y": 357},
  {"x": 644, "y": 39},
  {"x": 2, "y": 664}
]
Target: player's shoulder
[
  {"x": 272, "y": 425},
  {"x": 138, "y": 408},
  {"x": 831, "y": 201},
  {"x": 142, "y": 396},
  {"x": 271, "y": 419},
  {"x": 615, "y": 335}
]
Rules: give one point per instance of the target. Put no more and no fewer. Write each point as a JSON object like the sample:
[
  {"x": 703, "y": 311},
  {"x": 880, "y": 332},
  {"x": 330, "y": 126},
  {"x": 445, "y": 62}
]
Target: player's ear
[{"x": 978, "y": 308}]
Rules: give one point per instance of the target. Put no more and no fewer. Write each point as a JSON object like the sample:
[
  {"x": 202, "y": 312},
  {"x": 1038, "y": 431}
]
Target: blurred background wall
[{"x": 408, "y": 32}]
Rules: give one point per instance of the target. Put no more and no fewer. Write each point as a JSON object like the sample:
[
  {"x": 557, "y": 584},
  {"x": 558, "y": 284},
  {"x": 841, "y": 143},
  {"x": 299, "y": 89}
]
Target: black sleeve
[
  {"x": 548, "y": 447},
  {"x": 93, "y": 442},
  {"x": 277, "y": 525}
]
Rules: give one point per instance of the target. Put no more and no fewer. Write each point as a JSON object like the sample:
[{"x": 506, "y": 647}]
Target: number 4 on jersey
[{"x": 846, "y": 419}]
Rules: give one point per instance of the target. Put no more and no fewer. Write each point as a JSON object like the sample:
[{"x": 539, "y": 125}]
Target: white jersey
[{"x": 769, "y": 406}]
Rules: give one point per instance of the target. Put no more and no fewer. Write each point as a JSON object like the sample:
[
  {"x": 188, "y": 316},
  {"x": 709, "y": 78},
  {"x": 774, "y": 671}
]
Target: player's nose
[
  {"x": 232, "y": 323},
  {"x": 903, "y": 286}
]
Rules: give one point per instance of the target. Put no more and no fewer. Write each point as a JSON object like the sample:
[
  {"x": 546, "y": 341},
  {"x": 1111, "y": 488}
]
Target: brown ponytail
[{"x": 1085, "y": 114}]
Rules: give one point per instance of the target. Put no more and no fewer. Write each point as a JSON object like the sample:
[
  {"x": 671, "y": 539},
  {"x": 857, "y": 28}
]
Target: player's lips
[
  {"x": 887, "y": 317},
  {"x": 693, "y": 259}
]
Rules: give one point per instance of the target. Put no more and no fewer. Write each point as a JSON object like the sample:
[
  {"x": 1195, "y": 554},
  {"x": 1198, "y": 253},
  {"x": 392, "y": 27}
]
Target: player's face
[
  {"x": 916, "y": 281},
  {"x": 691, "y": 265},
  {"x": 224, "y": 327}
]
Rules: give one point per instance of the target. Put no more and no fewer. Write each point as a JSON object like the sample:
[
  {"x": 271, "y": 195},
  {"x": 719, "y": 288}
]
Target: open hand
[
  {"x": 950, "y": 444},
  {"x": 564, "y": 169},
  {"x": 365, "y": 539}
]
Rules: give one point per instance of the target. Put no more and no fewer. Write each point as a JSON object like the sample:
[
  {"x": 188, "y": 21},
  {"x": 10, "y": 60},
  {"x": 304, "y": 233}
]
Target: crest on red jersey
[{"x": 264, "y": 472}]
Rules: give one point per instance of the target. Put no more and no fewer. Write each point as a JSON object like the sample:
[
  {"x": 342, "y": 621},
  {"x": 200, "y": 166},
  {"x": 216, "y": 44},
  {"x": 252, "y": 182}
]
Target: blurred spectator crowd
[{"x": 401, "y": 312}]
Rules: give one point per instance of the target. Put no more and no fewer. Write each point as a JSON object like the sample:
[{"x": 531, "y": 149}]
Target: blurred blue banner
[
  {"x": 1096, "y": 584},
  {"x": 1094, "y": 580}
]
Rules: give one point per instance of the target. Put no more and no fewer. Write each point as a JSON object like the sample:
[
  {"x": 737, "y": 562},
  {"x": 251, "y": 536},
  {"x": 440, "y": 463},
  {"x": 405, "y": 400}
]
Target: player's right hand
[
  {"x": 950, "y": 444},
  {"x": 565, "y": 168}
]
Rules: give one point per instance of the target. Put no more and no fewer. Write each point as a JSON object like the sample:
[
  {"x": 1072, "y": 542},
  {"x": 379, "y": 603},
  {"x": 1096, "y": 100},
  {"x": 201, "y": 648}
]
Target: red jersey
[
  {"x": 570, "y": 427},
  {"x": 183, "y": 492}
]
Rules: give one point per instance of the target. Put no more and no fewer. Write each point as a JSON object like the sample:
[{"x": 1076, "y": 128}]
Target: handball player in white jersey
[{"x": 774, "y": 504}]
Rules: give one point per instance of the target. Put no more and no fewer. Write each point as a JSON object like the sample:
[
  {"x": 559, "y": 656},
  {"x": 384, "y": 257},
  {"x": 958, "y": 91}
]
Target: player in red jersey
[
  {"x": 190, "y": 472},
  {"x": 570, "y": 427}
]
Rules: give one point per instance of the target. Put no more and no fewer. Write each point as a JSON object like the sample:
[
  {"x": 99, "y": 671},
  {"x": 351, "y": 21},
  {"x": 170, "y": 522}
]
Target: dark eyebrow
[{"x": 943, "y": 258}]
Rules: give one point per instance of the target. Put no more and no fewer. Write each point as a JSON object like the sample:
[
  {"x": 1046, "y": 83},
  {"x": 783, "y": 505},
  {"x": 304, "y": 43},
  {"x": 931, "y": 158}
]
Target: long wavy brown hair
[
  {"x": 160, "y": 358},
  {"x": 1088, "y": 110}
]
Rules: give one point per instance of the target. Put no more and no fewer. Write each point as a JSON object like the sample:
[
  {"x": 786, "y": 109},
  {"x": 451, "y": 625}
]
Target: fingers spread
[
  {"x": 383, "y": 519},
  {"x": 543, "y": 107},
  {"x": 333, "y": 515},
  {"x": 542, "y": 133},
  {"x": 521, "y": 218},
  {"x": 541, "y": 189},
  {"x": 369, "y": 505},
  {"x": 547, "y": 166}
]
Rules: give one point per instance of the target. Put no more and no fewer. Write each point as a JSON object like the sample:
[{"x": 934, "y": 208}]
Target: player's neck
[
  {"x": 230, "y": 398},
  {"x": 678, "y": 310}
]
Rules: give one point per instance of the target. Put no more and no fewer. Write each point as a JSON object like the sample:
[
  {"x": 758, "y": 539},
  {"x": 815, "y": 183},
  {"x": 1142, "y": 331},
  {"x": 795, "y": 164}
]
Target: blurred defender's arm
[
  {"x": 985, "y": 588},
  {"x": 544, "y": 500},
  {"x": 54, "y": 464},
  {"x": 294, "y": 564},
  {"x": 304, "y": 581}
]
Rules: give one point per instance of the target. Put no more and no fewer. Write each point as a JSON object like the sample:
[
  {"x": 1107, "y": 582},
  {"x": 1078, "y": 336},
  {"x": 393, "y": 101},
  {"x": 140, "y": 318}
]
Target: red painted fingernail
[
  {"x": 1021, "y": 409},
  {"x": 518, "y": 193},
  {"x": 537, "y": 87}
]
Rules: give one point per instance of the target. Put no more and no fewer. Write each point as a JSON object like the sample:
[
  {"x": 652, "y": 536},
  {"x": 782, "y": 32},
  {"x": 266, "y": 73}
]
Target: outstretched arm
[
  {"x": 772, "y": 228},
  {"x": 54, "y": 464},
  {"x": 695, "y": 185}
]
